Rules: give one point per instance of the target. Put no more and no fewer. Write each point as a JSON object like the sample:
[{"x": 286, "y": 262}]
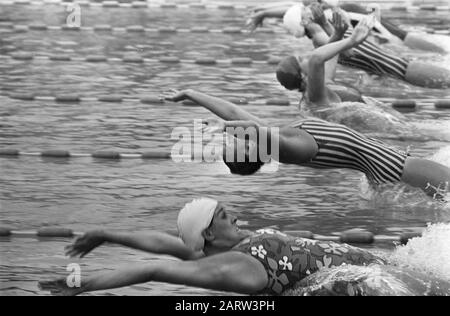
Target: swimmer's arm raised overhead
[
  {"x": 320, "y": 38},
  {"x": 316, "y": 64},
  {"x": 153, "y": 242},
  {"x": 230, "y": 271},
  {"x": 222, "y": 108}
]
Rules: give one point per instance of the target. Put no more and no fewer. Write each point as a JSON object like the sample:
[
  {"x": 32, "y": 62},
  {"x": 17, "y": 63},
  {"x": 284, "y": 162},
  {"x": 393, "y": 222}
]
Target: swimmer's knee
[{"x": 427, "y": 75}]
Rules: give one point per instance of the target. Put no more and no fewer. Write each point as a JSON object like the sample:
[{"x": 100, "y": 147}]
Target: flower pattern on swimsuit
[{"x": 287, "y": 260}]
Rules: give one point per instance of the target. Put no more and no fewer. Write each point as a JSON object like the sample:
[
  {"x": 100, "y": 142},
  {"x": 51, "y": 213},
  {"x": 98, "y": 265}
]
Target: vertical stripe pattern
[
  {"x": 341, "y": 147},
  {"x": 368, "y": 57}
]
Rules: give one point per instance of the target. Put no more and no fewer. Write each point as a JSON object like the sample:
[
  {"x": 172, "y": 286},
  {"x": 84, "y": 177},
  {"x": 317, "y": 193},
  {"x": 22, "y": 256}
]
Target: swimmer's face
[
  {"x": 223, "y": 231},
  {"x": 241, "y": 156}
]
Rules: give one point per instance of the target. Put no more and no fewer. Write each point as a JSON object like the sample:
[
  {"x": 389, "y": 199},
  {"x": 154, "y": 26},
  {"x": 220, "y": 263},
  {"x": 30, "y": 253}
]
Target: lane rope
[
  {"x": 409, "y": 104},
  {"x": 352, "y": 236},
  {"x": 232, "y": 30},
  {"x": 386, "y": 5}
]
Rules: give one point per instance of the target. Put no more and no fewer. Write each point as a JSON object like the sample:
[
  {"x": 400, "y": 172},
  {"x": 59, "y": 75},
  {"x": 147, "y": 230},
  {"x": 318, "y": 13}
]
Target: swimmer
[
  {"x": 215, "y": 254},
  {"x": 340, "y": 106},
  {"x": 318, "y": 144},
  {"x": 384, "y": 31},
  {"x": 413, "y": 40},
  {"x": 367, "y": 56}
]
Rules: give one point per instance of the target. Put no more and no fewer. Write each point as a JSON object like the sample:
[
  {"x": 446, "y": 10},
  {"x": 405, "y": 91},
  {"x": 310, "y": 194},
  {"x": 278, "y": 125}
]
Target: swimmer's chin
[{"x": 244, "y": 233}]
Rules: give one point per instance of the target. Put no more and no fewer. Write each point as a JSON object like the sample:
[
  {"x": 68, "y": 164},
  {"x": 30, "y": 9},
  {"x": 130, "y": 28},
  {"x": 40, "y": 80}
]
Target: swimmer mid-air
[
  {"x": 317, "y": 143},
  {"x": 368, "y": 56},
  {"x": 217, "y": 255}
]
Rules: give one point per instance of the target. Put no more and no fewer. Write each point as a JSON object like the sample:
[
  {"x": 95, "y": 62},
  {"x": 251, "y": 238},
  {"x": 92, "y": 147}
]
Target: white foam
[
  {"x": 429, "y": 254},
  {"x": 442, "y": 156}
]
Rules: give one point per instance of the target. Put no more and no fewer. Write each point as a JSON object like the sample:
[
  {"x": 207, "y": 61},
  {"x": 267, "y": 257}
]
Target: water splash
[
  {"x": 395, "y": 194},
  {"x": 372, "y": 116},
  {"x": 403, "y": 194},
  {"x": 373, "y": 280},
  {"x": 429, "y": 254},
  {"x": 442, "y": 156},
  {"x": 422, "y": 267}
]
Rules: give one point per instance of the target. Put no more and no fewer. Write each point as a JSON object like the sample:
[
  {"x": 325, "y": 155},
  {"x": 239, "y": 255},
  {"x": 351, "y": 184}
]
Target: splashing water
[
  {"x": 373, "y": 280},
  {"x": 372, "y": 116},
  {"x": 400, "y": 193},
  {"x": 429, "y": 254},
  {"x": 422, "y": 267},
  {"x": 442, "y": 156}
]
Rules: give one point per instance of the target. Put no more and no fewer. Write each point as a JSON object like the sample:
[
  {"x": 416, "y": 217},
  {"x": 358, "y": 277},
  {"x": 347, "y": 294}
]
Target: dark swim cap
[{"x": 289, "y": 73}]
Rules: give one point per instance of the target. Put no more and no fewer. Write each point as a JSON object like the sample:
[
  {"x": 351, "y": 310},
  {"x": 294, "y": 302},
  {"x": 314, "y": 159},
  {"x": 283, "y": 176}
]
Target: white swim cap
[
  {"x": 193, "y": 219},
  {"x": 292, "y": 20}
]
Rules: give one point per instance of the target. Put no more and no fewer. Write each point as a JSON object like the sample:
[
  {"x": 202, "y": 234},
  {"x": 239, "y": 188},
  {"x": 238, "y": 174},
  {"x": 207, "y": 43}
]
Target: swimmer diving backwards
[
  {"x": 319, "y": 144},
  {"x": 216, "y": 254}
]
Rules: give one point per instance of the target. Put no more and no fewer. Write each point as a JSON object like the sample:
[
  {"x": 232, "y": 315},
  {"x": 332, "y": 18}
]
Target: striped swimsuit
[
  {"x": 368, "y": 57},
  {"x": 342, "y": 147}
]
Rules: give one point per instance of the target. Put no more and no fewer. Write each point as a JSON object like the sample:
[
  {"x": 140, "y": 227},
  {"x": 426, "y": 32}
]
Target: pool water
[{"x": 142, "y": 195}]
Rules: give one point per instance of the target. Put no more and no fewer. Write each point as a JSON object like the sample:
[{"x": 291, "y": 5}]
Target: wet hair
[
  {"x": 289, "y": 74},
  {"x": 244, "y": 168}
]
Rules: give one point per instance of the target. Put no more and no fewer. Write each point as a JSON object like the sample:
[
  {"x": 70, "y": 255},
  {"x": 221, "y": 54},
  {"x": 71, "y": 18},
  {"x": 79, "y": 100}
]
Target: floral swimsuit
[{"x": 288, "y": 260}]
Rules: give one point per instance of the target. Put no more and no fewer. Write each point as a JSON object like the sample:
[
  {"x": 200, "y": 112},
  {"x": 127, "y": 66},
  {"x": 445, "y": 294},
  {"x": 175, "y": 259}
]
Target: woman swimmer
[
  {"x": 360, "y": 113},
  {"x": 384, "y": 31},
  {"x": 317, "y": 143},
  {"x": 367, "y": 56},
  {"x": 217, "y": 255}
]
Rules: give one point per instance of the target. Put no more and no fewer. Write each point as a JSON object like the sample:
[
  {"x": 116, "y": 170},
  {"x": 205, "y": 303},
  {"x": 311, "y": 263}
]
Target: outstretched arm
[
  {"x": 316, "y": 73},
  {"x": 231, "y": 271},
  {"x": 320, "y": 38},
  {"x": 222, "y": 108},
  {"x": 153, "y": 242},
  {"x": 268, "y": 11}
]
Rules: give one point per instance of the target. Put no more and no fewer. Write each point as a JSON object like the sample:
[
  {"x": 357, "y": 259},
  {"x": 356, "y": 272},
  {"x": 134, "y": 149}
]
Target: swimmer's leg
[
  {"x": 428, "y": 175},
  {"x": 427, "y": 75},
  {"x": 419, "y": 41}
]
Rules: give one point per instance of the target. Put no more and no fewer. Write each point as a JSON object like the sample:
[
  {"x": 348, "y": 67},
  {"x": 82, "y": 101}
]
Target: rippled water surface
[{"x": 86, "y": 194}]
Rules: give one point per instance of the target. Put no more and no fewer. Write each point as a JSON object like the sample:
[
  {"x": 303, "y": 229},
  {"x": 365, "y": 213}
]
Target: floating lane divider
[
  {"x": 137, "y": 59},
  {"x": 133, "y": 29},
  {"x": 349, "y": 236},
  {"x": 112, "y": 155},
  {"x": 220, "y": 6},
  {"x": 441, "y": 30},
  {"x": 405, "y": 104}
]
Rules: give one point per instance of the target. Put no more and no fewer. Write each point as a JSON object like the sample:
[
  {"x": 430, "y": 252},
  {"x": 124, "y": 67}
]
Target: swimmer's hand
[
  {"x": 362, "y": 30},
  {"x": 318, "y": 14},
  {"x": 174, "y": 95},
  {"x": 59, "y": 287},
  {"x": 85, "y": 244},
  {"x": 213, "y": 125},
  {"x": 340, "y": 24},
  {"x": 255, "y": 21}
]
